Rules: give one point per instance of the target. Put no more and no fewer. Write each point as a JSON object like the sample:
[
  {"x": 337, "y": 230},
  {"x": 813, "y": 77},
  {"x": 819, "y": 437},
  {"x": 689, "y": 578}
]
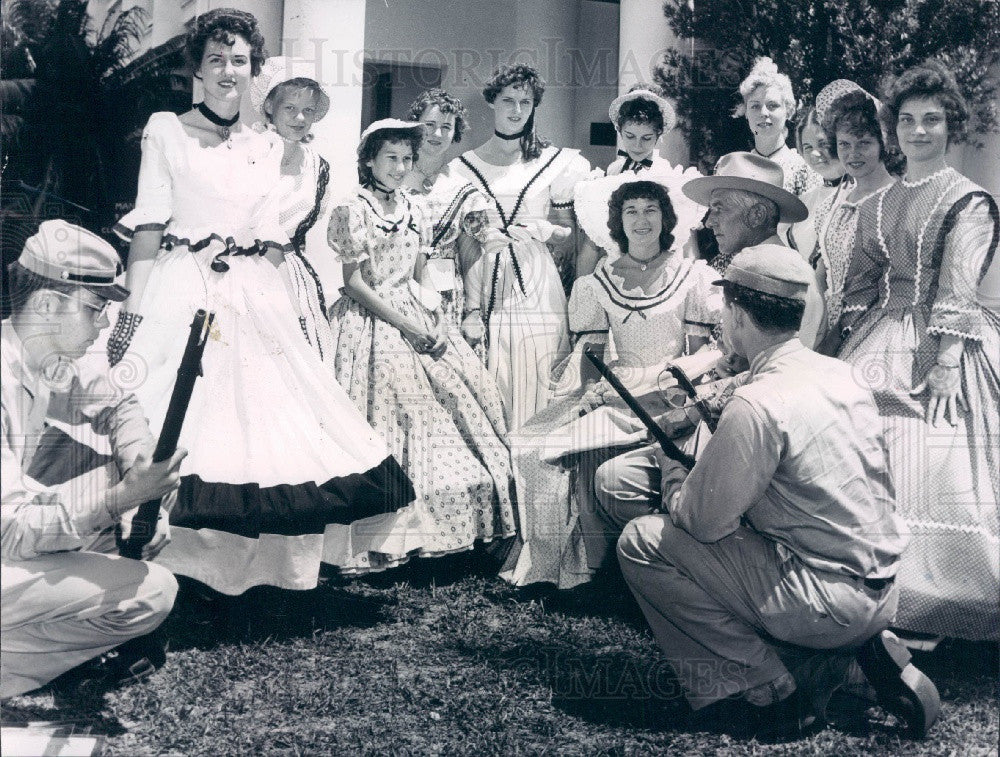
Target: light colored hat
[
  {"x": 751, "y": 173},
  {"x": 834, "y": 91},
  {"x": 772, "y": 269},
  {"x": 388, "y": 123},
  {"x": 275, "y": 71},
  {"x": 666, "y": 109},
  {"x": 68, "y": 254}
]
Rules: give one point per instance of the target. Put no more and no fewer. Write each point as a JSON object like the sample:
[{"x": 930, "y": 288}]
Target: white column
[
  {"x": 644, "y": 35},
  {"x": 327, "y": 40},
  {"x": 545, "y": 34}
]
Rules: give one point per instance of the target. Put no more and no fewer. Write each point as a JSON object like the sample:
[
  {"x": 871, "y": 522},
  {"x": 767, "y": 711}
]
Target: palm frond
[{"x": 114, "y": 49}]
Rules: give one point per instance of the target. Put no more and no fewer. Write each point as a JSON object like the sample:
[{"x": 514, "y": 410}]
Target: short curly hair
[
  {"x": 368, "y": 150},
  {"x": 856, "y": 114},
  {"x": 223, "y": 25},
  {"x": 931, "y": 79},
  {"x": 641, "y": 190},
  {"x": 519, "y": 75},
  {"x": 641, "y": 111},
  {"x": 444, "y": 102}
]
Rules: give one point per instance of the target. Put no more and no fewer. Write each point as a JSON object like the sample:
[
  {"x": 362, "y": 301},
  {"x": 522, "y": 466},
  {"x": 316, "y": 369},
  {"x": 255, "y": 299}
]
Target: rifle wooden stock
[
  {"x": 670, "y": 449},
  {"x": 144, "y": 521}
]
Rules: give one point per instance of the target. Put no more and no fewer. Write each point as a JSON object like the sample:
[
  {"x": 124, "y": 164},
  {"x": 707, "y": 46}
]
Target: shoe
[
  {"x": 788, "y": 719},
  {"x": 129, "y": 663},
  {"x": 902, "y": 689},
  {"x": 820, "y": 675}
]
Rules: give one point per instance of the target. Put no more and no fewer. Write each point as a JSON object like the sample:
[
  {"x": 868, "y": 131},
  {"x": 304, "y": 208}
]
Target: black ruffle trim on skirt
[{"x": 291, "y": 509}]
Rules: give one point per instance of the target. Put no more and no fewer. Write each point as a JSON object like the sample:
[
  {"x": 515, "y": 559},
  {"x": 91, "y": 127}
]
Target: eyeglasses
[{"x": 99, "y": 310}]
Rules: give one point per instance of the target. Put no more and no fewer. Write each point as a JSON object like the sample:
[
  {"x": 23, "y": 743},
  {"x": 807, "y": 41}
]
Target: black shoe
[
  {"x": 129, "y": 663},
  {"x": 790, "y": 718},
  {"x": 902, "y": 689}
]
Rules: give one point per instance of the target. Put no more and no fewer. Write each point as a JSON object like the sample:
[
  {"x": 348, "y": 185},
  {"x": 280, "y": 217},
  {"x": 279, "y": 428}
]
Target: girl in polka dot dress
[{"x": 405, "y": 365}]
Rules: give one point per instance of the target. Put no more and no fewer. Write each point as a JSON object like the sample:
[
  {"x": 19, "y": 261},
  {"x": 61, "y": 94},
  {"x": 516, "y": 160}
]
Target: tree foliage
[{"x": 815, "y": 42}]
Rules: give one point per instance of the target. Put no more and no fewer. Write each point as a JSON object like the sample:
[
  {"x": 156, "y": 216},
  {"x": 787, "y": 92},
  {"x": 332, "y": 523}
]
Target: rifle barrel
[{"x": 670, "y": 449}]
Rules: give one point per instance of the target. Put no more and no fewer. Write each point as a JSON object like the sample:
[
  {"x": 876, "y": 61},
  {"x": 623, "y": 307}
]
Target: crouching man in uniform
[
  {"x": 76, "y": 457},
  {"x": 769, "y": 570}
]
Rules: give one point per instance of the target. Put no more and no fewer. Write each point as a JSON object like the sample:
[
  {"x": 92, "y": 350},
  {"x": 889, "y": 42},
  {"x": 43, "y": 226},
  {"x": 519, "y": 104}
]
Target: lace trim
[
  {"x": 926, "y": 179},
  {"x": 885, "y": 250},
  {"x": 942, "y": 330},
  {"x": 933, "y": 525}
]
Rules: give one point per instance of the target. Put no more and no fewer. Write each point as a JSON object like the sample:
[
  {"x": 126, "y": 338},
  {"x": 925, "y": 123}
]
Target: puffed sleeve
[
  {"x": 970, "y": 241},
  {"x": 154, "y": 199},
  {"x": 346, "y": 233},
  {"x": 703, "y": 302},
  {"x": 586, "y": 313},
  {"x": 867, "y": 267},
  {"x": 576, "y": 169}
]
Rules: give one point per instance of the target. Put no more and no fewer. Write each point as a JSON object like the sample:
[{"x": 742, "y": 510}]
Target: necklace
[
  {"x": 225, "y": 124},
  {"x": 644, "y": 264},
  {"x": 773, "y": 152}
]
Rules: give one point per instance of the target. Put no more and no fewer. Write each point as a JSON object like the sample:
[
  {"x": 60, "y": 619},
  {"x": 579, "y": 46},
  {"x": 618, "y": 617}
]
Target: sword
[{"x": 670, "y": 449}]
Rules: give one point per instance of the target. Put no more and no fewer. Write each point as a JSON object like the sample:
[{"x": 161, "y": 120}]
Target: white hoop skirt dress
[{"x": 278, "y": 454}]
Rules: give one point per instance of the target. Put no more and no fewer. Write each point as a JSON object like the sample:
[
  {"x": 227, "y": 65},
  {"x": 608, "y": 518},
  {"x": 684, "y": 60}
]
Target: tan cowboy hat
[
  {"x": 277, "y": 70},
  {"x": 751, "y": 173},
  {"x": 666, "y": 109}
]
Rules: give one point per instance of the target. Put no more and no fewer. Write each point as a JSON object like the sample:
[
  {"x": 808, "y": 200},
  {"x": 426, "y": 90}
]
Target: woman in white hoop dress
[
  {"x": 514, "y": 290},
  {"x": 277, "y": 451}
]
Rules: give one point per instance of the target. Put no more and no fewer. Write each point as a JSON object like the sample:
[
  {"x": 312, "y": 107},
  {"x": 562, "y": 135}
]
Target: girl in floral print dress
[{"x": 405, "y": 364}]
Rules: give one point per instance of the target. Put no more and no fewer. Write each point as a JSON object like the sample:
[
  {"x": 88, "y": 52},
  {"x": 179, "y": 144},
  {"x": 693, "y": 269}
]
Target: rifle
[
  {"x": 685, "y": 383},
  {"x": 670, "y": 449},
  {"x": 144, "y": 521}
]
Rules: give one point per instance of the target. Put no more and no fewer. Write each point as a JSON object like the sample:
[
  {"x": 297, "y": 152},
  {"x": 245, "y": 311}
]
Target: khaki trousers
[
  {"x": 718, "y": 611},
  {"x": 59, "y": 610}
]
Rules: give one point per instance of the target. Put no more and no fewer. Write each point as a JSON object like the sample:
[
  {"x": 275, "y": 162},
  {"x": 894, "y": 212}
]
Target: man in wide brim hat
[{"x": 749, "y": 173}]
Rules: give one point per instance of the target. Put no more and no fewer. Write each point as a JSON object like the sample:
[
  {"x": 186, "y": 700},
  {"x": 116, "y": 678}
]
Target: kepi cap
[
  {"x": 751, "y": 173},
  {"x": 69, "y": 254},
  {"x": 772, "y": 269}
]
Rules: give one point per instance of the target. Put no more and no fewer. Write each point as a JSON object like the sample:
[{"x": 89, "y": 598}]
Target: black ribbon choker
[
  {"x": 215, "y": 118},
  {"x": 509, "y": 137}
]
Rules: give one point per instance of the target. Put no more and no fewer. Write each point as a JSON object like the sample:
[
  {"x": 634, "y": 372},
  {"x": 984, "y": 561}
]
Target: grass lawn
[{"x": 439, "y": 659}]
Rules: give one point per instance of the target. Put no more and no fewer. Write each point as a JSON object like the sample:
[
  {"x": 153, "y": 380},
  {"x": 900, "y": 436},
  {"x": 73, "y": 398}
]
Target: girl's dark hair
[
  {"x": 444, "y": 102},
  {"x": 803, "y": 118},
  {"x": 931, "y": 79},
  {"x": 642, "y": 111},
  {"x": 856, "y": 114},
  {"x": 368, "y": 151},
  {"x": 222, "y": 25},
  {"x": 640, "y": 190},
  {"x": 768, "y": 311},
  {"x": 520, "y": 75}
]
